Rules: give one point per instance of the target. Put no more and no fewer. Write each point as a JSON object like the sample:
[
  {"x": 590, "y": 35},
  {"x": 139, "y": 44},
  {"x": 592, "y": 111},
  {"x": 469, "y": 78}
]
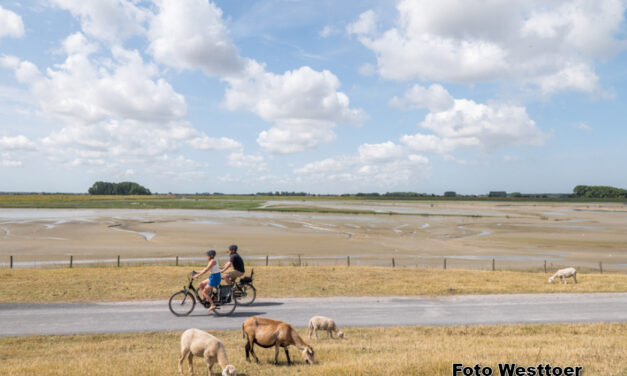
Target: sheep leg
[
  {"x": 310, "y": 331},
  {"x": 191, "y": 363},
  {"x": 330, "y": 333},
  {"x": 316, "y": 332},
  {"x": 575, "y": 277},
  {"x": 209, "y": 366},
  {"x": 252, "y": 351},
  {"x": 247, "y": 348},
  {"x": 287, "y": 355},
  {"x": 181, "y": 359}
]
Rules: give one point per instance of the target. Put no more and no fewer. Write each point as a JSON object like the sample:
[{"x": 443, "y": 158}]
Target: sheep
[
  {"x": 200, "y": 343},
  {"x": 267, "y": 333},
  {"x": 564, "y": 273},
  {"x": 323, "y": 323}
]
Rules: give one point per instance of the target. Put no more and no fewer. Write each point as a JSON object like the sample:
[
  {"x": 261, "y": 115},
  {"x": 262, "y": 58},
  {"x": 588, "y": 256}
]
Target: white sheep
[
  {"x": 200, "y": 343},
  {"x": 324, "y": 323},
  {"x": 564, "y": 273}
]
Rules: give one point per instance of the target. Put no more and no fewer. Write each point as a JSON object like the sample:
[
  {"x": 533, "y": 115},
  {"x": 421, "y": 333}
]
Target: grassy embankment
[
  {"x": 426, "y": 351},
  {"x": 42, "y": 285}
]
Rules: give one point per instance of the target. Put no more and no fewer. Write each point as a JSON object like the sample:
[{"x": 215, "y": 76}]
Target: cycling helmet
[
  {"x": 211, "y": 253},
  {"x": 233, "y": 247}
]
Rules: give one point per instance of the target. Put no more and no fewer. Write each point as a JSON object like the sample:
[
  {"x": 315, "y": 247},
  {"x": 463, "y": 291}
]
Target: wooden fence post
[
  {"x": 545, "y": 266},
  {"x": 266, "y": 260},
  {"x": 348, "y": 261},
  {"x": 601, "y": 266},
  {"x": 11, "y": 263},
  {"x": 445, "y": 263},
  {"x": 493, "y": 265},
  {"x": 393, "y": 263},
  {"x": 118, "y": 261},
  {"x": 177, "y": 261},
  {"x": 71, "y": 261},
  {"x": 299, "y": 263}
]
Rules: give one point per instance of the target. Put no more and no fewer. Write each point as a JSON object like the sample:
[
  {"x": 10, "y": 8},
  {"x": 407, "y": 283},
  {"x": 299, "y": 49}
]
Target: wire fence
[{"x": 548, "y": 264}]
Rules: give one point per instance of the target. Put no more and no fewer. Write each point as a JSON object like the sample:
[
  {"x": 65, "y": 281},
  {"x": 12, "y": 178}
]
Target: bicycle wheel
[
  {"x": 245, "y": 294},
  {"x": 182, "y": 303},
  {"x": 227, "y": 305}
]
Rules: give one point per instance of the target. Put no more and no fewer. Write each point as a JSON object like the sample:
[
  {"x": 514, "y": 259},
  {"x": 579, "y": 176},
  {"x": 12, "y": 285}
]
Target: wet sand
[{"x": 515, "y": 234}]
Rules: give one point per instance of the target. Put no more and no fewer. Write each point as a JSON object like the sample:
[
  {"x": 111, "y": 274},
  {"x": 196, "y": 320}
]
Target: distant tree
[
  {"x": 123, "y": 188},
  {"x": 599, "y": 191}
]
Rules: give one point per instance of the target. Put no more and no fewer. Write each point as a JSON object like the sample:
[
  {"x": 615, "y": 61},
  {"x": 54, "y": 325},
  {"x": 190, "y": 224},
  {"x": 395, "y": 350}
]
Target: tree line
[
  {"x": 599, "y": 191},
  {"x": 123, "y": 188}
]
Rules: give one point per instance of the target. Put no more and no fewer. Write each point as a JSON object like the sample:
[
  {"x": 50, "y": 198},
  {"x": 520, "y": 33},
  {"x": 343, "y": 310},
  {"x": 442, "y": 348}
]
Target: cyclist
[
  {"x": 207, "y": 286},
  {"x": 237, "y": 263}
]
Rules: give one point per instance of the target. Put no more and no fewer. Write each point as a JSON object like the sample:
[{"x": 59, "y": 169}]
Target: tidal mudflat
[{"x": 415, "y": 233}]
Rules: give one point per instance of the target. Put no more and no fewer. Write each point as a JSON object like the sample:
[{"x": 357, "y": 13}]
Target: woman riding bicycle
[{"x": 214, "y": 279}]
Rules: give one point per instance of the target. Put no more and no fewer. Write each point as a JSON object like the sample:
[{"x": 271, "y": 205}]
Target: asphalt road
[{"x": 74, "y": 318}]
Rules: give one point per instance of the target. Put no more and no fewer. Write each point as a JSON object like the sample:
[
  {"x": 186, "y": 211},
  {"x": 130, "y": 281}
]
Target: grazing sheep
[
  {"x": 267, "y": 333},
  {"x": 324, "y": 323},
  {"x": 564, "y": 273},
  {"x": 200, "y": 343}
]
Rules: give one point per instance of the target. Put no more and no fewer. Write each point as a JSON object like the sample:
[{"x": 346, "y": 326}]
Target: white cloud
[
  {"x": 366, "y": 25},
  {"x": 11, "y": 24},
  {"x": 367, "y": 70},
  {"x": 378, "y": 166},
  {"x": 204, "y": 142},
  {"x": 111, "y": 21},
  {"x": 327, "y": 31},
  {"x": 241, "y": 160},
  {"x": 552, "y": 45},
  {"x": 16, "y": 143},
  {"x": 470, "y": 124},
  {"x": 435, "y": 98},
  {"x": 303, "y": 103},
  {"x": 10, "y": 163},
  {"x": 584, "y": 127},
  {"x": 191, "y": 35}
]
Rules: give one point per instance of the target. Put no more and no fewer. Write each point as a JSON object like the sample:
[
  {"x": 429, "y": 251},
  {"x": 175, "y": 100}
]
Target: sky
[{"x": 325, "y": 97}]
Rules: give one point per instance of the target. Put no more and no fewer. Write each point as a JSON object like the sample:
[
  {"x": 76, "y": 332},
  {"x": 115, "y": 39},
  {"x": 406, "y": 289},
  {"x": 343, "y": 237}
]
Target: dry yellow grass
[
  {"x": 159, "y": 282},
  {"x": 427, "y": 351}
]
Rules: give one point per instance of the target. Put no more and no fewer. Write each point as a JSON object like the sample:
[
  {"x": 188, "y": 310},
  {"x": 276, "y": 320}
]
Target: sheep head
[
  {"x": 340, "y": 334},
  {"x": 551, "y": 279},
  {"x": 308, "y": 355},
  {"x": 229, "y": 371}
]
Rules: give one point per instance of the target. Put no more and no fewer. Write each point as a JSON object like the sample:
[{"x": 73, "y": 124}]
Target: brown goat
[{"x": 267, "y": 333}]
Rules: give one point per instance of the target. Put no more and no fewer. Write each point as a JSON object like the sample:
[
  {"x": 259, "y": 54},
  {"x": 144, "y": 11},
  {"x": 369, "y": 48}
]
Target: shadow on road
[
  {"x": 234, "y": 314},
  {"x": 266, "y": 304}
]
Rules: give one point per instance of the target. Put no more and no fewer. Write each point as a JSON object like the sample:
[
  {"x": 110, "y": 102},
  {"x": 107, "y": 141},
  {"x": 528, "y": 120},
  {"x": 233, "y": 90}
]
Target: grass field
[
  {"x": 426, "y": 351},
  {"x": 87, "y": 284}
]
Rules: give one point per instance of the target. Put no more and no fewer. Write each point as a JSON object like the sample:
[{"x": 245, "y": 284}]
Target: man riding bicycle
[{"x": 238, "y": 266}]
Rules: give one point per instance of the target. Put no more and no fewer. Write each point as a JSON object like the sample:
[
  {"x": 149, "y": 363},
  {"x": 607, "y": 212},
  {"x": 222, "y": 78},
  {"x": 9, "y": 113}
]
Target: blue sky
[{"x": 323, "y": 97}]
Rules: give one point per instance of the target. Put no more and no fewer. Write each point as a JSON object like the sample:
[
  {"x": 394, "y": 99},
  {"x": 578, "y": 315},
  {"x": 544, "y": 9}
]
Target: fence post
[
  {"x": 299, "y": 263},
  {"x": 393, "y": 263},
  {"x": 348, "y": 261},
  {"x": 71, "y": 261},
  {"x": 545, "y": 266},
  {"x": 118, "y": 261},
  {"x": 177, "y": 261},
  {"x": 445, "y": 263},
  {"x": 266, "y": 260},
  {"x": 11, "y": 263},
  {"x": 601, "y": 266},
  {"x": 493, "y": 265}
]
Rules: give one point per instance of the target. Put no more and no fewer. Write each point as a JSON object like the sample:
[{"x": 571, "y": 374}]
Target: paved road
[{"x": 70, "y": 318}]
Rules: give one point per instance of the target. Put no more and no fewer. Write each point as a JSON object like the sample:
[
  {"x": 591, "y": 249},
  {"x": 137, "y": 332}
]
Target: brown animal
[{"x": 267, "y": 333}]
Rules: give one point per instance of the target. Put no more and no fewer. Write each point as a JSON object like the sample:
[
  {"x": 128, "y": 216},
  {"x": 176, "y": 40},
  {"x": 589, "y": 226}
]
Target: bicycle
[
  {"x": 182, "y": 302},
  {"x": 244, "y": 291}
]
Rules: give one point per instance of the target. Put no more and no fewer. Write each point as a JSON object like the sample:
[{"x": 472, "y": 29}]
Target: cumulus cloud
[
  {"x": 466, "y": 123},
  {"x": 365, "y": 25},
  {"x": 11, "y": 24},
  {"x": 551, "y": 45},
  {"x": 304, "y": 104},
  {"x": 111, "y": 21},
  {"x": 382, "y": 165},
  {"x": 192, "y": 35},
  {"x": 20, "y": 142},
  {"x": 435, "y": 98},
  {"x": 241, "y": 160}
]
